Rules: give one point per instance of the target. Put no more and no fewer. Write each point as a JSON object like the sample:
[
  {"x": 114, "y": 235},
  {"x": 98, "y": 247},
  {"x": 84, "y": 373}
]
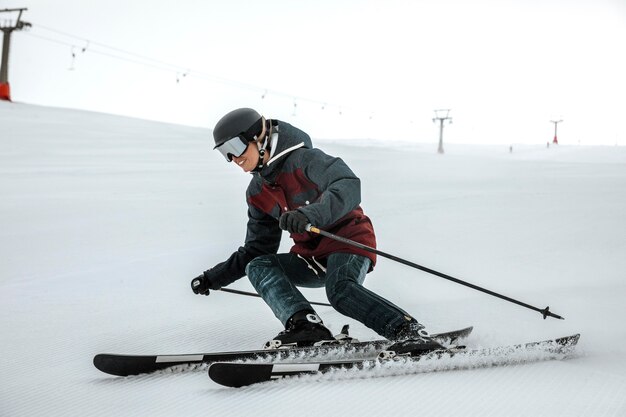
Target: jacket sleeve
[
  {"x": 262, "y": 237},
  {"x": 340, "y": 188}
]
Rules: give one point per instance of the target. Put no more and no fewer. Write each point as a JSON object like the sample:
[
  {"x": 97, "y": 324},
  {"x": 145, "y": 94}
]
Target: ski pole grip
[{"x": 313, "y": 229}]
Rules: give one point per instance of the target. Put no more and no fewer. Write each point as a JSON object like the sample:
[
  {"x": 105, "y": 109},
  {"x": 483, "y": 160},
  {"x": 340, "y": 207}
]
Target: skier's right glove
[
  {"x": 202, "y": 284},
  {"x": 294, "y": 222}
]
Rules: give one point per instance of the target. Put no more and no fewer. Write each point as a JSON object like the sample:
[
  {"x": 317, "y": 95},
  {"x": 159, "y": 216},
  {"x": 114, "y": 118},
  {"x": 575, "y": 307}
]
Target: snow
[{"x": 104, "y": 221}]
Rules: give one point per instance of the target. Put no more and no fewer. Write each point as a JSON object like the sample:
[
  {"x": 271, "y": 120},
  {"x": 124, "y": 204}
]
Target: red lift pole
[
  {"x": 7, "y": 30},
  {"x": 556, "y": 122}
]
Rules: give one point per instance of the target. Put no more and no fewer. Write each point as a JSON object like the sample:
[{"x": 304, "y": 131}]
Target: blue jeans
[{"x": 276, "y": 278}]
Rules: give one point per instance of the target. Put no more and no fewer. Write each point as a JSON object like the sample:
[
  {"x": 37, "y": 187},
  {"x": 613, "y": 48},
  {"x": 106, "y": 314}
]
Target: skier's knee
[
  {"x": 338, "y": 289},
  {"x": 257, "y": 265}
]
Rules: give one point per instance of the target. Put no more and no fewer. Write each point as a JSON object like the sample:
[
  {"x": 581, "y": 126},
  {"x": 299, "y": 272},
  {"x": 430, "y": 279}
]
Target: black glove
[
  {"x": 293, "y": 222},
  {"x": 202, "y": 284},
  {"x": 223, "y": 273}
]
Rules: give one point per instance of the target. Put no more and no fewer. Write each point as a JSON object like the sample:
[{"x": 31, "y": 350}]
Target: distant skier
[{"x": 293, "y": 185}]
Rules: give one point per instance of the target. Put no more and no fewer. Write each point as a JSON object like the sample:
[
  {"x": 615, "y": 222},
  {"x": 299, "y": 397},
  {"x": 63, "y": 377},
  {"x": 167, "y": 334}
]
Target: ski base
[
  {"x": 242, "y": 374},
  {"x": 126, "y": 365}
]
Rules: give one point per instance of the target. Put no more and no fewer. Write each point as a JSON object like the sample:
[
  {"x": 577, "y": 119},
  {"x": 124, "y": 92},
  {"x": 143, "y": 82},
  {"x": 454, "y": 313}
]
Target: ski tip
[
  {"x": 99, "y": 360},
  {"x": 236, "y": 375},
  {"x": 102, "y": 363},
  {"x": 126, "y": 365},
  {"x": 106, "y": 363}
]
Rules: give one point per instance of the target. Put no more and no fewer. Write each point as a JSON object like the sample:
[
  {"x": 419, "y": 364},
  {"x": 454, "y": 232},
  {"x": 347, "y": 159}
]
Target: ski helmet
[{"x": 241, "y": 122}]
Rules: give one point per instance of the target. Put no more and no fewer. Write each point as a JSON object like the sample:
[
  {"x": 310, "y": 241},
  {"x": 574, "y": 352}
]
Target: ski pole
[
  {"x": 544, "y": 312},
  {"x": 251, "y": 294}
]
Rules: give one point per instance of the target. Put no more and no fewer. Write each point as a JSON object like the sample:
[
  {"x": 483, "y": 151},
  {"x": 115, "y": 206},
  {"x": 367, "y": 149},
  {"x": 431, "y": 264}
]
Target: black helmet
[{"x": 241, "y": 122}]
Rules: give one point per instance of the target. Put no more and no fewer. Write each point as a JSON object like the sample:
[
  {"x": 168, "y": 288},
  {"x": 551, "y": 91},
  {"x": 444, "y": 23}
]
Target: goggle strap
[{"x": 251, "y": 133}]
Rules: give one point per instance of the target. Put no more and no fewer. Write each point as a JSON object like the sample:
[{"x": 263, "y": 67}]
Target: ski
[
  {"x": 126, "y": 365},
  {"x": 243, "y": 374}
]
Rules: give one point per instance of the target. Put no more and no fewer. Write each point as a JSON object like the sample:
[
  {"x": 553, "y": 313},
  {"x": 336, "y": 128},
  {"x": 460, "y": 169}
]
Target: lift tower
[
  {"x": 441, "y": 116},
  {"x": 7, "y": 29},
  {"x": 556, "y": 122}
]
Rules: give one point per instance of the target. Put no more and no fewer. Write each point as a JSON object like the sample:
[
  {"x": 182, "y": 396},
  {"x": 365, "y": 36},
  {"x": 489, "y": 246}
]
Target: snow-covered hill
[{"x": 104, "y": 221}]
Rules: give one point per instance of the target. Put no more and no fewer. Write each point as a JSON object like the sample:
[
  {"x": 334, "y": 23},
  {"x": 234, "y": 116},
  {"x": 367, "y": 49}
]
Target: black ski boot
[
  {"x": 411, "y": 339},
  {"x": 304, "y": 328}
]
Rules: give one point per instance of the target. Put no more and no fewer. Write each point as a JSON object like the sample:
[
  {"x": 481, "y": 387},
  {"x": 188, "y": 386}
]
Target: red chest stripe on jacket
[
  {"x": 293, "y": 190},
  {"x": 290, "y": 191}
]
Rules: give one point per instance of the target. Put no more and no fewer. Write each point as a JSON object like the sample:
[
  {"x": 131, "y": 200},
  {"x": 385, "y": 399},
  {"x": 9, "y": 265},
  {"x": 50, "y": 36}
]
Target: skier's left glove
[
  {"x": 202, "y": 284},
  {"x": 293, "y": 221},
  {"x": 222, "y": 274}
]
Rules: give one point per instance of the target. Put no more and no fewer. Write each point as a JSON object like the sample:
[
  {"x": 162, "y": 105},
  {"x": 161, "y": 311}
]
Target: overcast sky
[{"x": 337, "y": 68}]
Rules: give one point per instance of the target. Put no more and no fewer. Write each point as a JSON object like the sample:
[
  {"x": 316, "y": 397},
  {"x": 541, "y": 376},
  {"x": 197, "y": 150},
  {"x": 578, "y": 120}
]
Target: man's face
[{"x": 249, "y": 159}]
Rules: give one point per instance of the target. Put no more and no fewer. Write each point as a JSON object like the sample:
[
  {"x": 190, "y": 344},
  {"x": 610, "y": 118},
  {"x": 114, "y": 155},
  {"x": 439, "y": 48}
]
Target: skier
[{"x": 294, "y": 185}]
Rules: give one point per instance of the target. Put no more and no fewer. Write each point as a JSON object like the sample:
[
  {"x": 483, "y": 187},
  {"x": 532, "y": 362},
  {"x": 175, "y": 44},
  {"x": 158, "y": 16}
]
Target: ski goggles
[{"x": 234, "y": 147}]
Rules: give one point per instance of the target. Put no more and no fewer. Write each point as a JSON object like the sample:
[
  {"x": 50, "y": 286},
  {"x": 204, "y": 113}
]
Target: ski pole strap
[{"x": 544, "y": 312}]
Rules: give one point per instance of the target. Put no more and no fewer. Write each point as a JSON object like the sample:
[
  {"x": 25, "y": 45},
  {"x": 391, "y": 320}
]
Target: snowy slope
[{"x": 104, "y": 221}]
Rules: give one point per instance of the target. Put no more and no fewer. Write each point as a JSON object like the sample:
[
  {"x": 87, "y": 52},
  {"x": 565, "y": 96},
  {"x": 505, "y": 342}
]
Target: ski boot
[
  {"x": 304, "y": 328},
  {"x": 411, "y": 339}
]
